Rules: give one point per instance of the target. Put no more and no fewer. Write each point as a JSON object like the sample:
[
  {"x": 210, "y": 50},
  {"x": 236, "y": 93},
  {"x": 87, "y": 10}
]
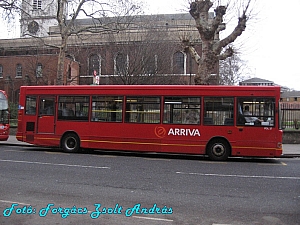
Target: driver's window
[{"x": 256, "y": 111}]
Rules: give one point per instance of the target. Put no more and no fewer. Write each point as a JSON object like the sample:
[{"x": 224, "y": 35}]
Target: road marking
[
  {"x": 213, "y": 162},
  {"x": 14, "y": 151},
  {"x": 152, "y": 218},
  {"x": 55, "y": 164},
  {"x": 10, "y": 202},
  {"x": 57, "y": 153},
  {"x": 220, "y": 224},
  {"x": 61, "y": 153},
  {"x": 157, "y": 159},
  {"x": 238, "y": 176},
  {"x": 272, "y": 164},
  {"x": 106, "y": 156}
]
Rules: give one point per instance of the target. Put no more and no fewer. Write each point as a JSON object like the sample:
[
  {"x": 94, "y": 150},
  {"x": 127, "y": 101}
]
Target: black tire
[
  {"x": 218, "y": 150},
  {"x": 70, "y": 143}
]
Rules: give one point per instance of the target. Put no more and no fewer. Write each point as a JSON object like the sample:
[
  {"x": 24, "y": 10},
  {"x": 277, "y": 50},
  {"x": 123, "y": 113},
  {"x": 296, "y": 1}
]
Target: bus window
[
  {"x": 218, "y": 111},
  {"x": 73, "y": 108},
  {"x": 3, "y": 101},
  {"x": 46, "y": 106},
  {"x": 182, "y": 110},
  {"x": 107, "y": 108},
  {"x": 4, "y": 114},
  {"x": 142, "y": 110},
  {"x": 256, "y": 111},
  {"x": 30, "y": 105}
]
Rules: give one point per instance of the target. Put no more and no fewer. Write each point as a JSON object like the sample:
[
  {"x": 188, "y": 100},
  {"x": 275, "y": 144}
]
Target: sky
[{"x": 269, "y": 46}]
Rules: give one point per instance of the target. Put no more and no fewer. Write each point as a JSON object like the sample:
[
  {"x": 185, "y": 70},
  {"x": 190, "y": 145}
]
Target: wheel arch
[
  {"x": 67, "y": 133},
  {"x": 214, "y": 139}
]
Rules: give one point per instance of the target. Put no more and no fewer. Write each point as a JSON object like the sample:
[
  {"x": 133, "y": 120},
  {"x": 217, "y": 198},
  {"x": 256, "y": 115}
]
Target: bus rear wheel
[
  {"x": 218, "y": 150},
  {"x": 70, "y": 143}
]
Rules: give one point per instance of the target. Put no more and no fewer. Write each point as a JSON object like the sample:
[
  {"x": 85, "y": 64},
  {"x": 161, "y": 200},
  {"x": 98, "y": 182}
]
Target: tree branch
[
  {"x": 228, "y": 53},
  {"x": 238, "y": 30},
  {"x": 218, "y": 20},
  {"x": 194, "y": 54},
  {"x": 187, "y": 46},
  {"x": 199, "y": 11}
]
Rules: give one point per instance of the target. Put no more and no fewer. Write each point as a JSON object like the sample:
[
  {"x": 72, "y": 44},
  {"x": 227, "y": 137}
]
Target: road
[{"x": 42, "y": 186}]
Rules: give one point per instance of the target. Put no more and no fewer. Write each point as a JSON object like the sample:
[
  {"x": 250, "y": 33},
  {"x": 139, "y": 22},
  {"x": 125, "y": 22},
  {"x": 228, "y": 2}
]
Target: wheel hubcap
[
  {"x": 218, "y": 149},
  {"x": 71, "y": 143}
]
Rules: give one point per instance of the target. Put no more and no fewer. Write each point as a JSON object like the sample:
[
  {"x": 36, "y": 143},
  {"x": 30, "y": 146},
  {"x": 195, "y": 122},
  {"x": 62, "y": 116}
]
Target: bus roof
[
  {"x": 214, "y": 90},
  {"x": 131, "y": 87}
]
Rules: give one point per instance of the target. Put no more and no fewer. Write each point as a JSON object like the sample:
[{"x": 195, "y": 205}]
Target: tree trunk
[
  {"x": 207, "y": 64},
  {"x": 61, "y": 62},
  {"x": 213, "y": 49}
]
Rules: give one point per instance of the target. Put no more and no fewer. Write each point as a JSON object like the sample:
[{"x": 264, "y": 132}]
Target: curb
[
  {"x": 290, "y": 156},
  {"x": 17, "y": 144}
]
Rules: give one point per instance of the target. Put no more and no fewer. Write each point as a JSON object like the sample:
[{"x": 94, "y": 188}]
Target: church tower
[{"x": 37, "y": 17}]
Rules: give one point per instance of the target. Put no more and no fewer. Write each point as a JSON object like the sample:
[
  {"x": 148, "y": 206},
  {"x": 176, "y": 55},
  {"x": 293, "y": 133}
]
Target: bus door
[
  {"x": 256, "y": 121},
  {"x": 45, "y": 123}
]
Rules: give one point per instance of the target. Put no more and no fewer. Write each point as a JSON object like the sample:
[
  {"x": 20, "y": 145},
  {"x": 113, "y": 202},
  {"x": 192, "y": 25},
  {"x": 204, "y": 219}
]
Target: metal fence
[{"x": 290, "y": 115}]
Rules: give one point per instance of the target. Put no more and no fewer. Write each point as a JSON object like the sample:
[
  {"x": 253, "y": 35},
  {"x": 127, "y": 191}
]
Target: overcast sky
[{"x": 270, "y": 43}]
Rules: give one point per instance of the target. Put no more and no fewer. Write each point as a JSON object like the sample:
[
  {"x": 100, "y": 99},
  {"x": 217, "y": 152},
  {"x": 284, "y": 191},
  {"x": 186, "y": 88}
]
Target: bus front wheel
[
  {"x": 218, "y": 149},
  {"x": 70, "y": 143}
]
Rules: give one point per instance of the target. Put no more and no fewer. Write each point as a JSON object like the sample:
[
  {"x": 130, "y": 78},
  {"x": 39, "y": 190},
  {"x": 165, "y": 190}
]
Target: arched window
[
  {"x": 71, "y": 57},
  {"x": 150, "y": 64},
  {"x": 121, "y": 64},
  {"x": 178, "y": 63},
  {"x": 69, "y": 72},
  {"x": 94, "y": 65},
  {"x": 39, "y": 70},
  {"x": 1, "y": 71},
  {"x": 19, "y": 70}
]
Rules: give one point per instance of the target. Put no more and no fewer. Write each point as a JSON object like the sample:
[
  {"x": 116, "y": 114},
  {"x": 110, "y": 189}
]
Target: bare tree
[
  {"x": 143, "y": 56},
  {"x": 39, "y": 69},
  {"x": 213, "y": 49},
  {"x": 9, "y": 8},
  {"x": 106, "y": 16},
  {"x": 99, "y": 11},
  {"x": 233, "y": 70}
]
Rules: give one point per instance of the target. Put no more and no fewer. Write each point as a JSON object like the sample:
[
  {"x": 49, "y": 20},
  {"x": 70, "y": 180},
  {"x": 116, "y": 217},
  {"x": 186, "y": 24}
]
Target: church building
[{"x": 148, "y": 51}]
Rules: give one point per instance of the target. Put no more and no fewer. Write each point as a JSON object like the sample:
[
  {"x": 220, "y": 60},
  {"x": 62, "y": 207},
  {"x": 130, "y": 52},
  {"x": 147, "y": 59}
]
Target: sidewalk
[
  {"x": 289, "y": 150},
  {"x": 292, "y": 150},
  {"x": 12, "y": 140}
]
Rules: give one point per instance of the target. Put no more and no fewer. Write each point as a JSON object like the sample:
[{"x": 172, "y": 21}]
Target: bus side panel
[
  {"x": 138, "y": 137},
  {"x": 4, "y": 132},
  {"x": 257, "y": 142},
  {"x": 4, "y": 117},
  {"x": 21, "y": 118},
  {"x": 19, "y": 134}
]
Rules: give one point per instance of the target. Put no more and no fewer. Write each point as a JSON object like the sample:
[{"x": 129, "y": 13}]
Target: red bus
[
  {"x": 205, "y": 120},
  {"x": 4, "y": 117}
]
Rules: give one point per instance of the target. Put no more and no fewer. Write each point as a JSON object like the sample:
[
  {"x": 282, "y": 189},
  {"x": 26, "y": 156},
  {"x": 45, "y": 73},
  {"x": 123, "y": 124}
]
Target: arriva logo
[{"x": 161, "y": 132}]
